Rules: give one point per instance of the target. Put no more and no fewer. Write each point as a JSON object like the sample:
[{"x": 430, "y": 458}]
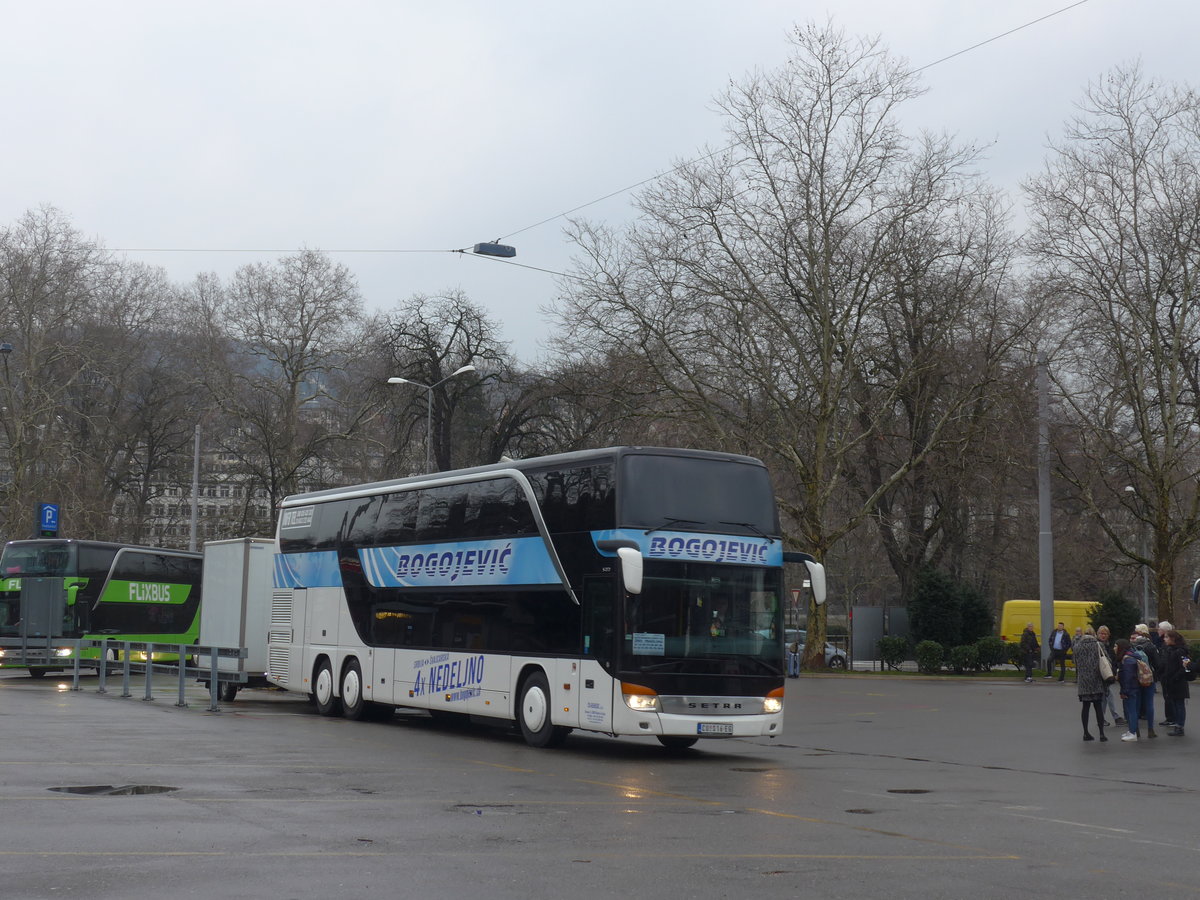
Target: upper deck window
[{"x": 681, "y": 493}]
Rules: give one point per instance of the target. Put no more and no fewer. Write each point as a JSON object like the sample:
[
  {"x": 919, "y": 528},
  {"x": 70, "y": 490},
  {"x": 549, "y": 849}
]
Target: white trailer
[{"x": 235, "y": 607}]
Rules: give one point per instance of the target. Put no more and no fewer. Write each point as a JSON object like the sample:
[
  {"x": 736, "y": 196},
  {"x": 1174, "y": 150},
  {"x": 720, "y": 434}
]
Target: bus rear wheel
[
  {"x": 353, "y": 705},
  {"x": 534, "y": 714},
  {"x": 327, "y": 704}
]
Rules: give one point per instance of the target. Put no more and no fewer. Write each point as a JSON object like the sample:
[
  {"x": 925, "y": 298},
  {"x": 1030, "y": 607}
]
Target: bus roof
[
  {"x": 107, "y": 545},
  {"x": 578, "y": 457}
]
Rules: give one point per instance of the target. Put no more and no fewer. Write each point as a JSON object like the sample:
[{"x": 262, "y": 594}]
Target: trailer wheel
[
  {"x": 227, "y": 691},
  {"x": 327, "y": 704}
]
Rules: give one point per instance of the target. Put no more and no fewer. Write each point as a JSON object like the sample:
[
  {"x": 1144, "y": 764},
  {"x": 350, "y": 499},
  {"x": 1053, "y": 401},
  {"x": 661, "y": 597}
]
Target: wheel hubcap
[
  {"x": 535, "y": 709},
  {"x": 350, "y": 688},
  {"x": 324, "y": 685}
]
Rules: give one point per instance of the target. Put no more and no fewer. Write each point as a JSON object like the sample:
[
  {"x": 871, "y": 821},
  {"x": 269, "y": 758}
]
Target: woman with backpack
[
  {"x": 1132, "y": 674},
  {"x": 1175, "y": 679}
]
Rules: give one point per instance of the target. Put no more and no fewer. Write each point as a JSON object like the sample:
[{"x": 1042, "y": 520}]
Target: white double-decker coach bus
[{"x": 625, "y": 591}]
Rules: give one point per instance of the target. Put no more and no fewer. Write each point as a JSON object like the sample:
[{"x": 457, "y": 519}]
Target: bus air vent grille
[
  {"x": 277, "y": 663},
  {"x": 281, "y": 608}
]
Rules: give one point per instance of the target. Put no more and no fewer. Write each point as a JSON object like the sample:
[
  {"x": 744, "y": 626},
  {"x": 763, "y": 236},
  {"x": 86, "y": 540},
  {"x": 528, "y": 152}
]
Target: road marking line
[{"x": 1076, "y": 824}]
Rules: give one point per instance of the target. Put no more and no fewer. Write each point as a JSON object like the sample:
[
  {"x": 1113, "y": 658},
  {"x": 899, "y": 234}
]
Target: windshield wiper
[
  {"x": 671, "y": 520},
  {"x": 752, "y": 527},
  {"x": 664, "y": 666}
]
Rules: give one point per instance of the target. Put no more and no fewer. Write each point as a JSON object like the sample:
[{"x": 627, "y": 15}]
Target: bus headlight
[
  {"x": 639, "y": 698},
  {"x": 773, "y": 702},
  {"x": 63, "y": 651}
]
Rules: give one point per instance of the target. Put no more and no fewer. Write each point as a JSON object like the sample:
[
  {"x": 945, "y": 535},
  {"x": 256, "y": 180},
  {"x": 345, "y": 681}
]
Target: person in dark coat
[
  {"x": 1088, "y": 681},
  {"x": 1175, "y": 659},
  {"x": 1030, "y": 650},
  {"x": 1131, "y": 692},
  {"x": 1060, "y": 643}
]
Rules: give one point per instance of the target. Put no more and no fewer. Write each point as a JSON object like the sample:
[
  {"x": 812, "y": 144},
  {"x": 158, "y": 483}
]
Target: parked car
[{"x": 834, "y": 658}]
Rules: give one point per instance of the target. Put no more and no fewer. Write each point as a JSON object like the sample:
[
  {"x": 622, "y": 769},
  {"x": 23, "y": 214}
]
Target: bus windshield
[
  {"x": 49, "y": 560},
  {"x": 703, "y": 611}
]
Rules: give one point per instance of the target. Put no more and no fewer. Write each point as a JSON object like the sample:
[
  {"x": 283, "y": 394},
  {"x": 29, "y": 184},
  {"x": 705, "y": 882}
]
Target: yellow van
[{"x": 1016, "y": 614}]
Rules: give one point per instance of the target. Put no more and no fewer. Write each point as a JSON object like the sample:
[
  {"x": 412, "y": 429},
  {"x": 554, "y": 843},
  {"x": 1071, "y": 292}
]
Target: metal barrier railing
[{"x": 183, "y": 671}]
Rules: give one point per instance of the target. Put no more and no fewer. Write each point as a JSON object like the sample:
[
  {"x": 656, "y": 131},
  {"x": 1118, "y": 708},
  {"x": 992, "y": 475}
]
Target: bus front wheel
[
  {"x": 327, "y": 704},
  {"x": 534, "y": 714},
  {"x": 353, "y": 705},
  {"x": 676, "y": 742}
]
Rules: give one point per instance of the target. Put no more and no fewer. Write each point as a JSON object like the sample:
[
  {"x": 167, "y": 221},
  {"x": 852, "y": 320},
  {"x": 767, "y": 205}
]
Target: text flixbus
[{"x": 55, "y": 590}]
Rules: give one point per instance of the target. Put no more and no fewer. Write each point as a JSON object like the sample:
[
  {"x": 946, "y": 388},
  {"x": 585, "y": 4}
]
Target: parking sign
[{"x": 48, "y": 520}]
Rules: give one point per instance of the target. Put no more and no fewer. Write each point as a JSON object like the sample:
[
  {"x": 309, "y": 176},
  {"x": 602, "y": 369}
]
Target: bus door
[{"x": 599, "y": 599}]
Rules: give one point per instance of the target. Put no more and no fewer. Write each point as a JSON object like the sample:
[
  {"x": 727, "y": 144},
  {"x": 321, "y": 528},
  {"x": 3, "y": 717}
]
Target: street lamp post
[{"x": 429, "y": 407}]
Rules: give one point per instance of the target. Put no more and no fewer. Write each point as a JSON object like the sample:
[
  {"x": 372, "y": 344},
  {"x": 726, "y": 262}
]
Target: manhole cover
[
  {"x": 907, "y": 791},
  {"x": 110, "y": 790}
]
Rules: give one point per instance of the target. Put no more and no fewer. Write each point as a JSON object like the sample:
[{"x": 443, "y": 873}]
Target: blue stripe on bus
[
  {"x": 307, "y": 570},
  {"x": 454, "y": 563},
  {"x": 688, "y": 546}
]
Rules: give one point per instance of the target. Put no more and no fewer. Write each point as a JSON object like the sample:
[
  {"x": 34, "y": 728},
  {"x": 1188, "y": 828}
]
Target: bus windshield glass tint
[
  {"x": 689, "y": 494},
  {"x": 50, "y": 560},
  {"x": 703, "y": 611}
]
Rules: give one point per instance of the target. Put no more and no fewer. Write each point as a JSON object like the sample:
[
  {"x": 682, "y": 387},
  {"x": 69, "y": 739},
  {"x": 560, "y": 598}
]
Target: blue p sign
[{"x": 48, "y": 520}]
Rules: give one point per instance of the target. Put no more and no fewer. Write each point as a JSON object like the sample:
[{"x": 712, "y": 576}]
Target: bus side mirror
[
  {"x": 631, "y": 569},
  {"x": 816, "y": 578}
]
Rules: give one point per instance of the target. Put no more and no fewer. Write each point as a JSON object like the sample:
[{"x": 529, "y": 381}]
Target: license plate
[{"x": 714, "y": 728}]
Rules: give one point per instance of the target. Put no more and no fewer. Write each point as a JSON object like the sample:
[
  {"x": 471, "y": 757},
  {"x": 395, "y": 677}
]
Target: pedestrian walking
[
  {"x": 1089, "y": 682},
  {"x": 1030, "y": 650}
]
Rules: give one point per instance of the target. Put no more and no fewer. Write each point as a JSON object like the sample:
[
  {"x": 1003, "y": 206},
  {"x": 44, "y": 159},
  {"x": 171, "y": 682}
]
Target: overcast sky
[{"x": 261, "y": 127}]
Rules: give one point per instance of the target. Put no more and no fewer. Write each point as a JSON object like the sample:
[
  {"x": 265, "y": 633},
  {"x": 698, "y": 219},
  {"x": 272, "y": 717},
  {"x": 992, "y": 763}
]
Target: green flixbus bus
[
  {"x": 623, "y": 591},
  {"x": 56, "y": 590}
]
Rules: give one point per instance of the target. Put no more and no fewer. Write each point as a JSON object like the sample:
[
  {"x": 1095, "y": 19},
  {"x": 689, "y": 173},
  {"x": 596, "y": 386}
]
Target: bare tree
[
  {"x": 276, "y": 335},
  {"x": 1117, "y": 237},
  {"x": 759, "y": 289},
  {"x": 427, "y": 339},
  {"x": 48, "y": 278}
]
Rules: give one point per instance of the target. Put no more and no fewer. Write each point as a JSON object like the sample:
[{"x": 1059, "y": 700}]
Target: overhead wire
[{"x": 467, "y": 251}]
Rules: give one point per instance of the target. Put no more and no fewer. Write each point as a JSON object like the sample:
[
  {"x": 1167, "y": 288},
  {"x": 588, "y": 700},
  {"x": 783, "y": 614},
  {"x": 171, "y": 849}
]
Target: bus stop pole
[
  {"x": 102, "y": 687},
  {"x": 182, "y": 663},
  {"x": 149, "y": 672},
  {"x": 75, "y": 675},
  {"x": 125, "y": 692},
  {"x": 213, "y": 683}
]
